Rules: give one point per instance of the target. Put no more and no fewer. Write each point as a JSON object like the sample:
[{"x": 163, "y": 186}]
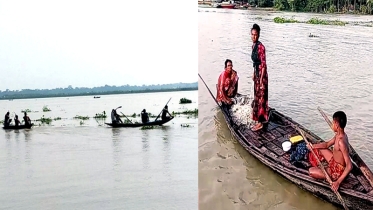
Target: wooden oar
[
  {"x": 363, "y": 167},
  {"x": 209, "y": 90},
  {"x": 126, "y": 117},
  {"x": 162, "y": 110},
  {"x": 324, "y": 171}
]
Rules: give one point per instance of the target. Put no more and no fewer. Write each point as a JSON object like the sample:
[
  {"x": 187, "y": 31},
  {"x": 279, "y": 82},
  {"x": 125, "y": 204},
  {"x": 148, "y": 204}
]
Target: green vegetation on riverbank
[
  {"x": 105, "y": 90},
  {"x": 317, "y": 6},
  {"x": 339, "y": 6},
  {"x": 310, "y": 21}
]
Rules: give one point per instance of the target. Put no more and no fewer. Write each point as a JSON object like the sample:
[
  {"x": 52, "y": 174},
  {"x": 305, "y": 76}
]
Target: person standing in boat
[
  {"x": 260, "y": 78},
  {"x": 144, "y": 116},
  {"x": 7, "y": 119},
  {"x": 227, "y": 84},
  {"x": 26, "y": 119},
  {"x": 339, "y": 162},
  {"x": 164, "y": 113}
]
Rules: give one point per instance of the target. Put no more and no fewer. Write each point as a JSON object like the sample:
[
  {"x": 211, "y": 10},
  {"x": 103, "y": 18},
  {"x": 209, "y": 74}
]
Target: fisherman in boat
[
  {"x": 227, "y": 84},
  {"x": 164, "y": 113},
  {"x": 260, "y": 78},
  {"x": 144, "y": 116},
  {"x": 16, "y": 121},
  {"x": 26, "y": 119},
  {"x": 115, "y": 119},
  {"x": 338, "y": 159},
  {"x": 7, "y": 119}
]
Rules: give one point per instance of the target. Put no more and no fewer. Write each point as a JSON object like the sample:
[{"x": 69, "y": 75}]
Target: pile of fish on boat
[{"x": 281, "y": 147}]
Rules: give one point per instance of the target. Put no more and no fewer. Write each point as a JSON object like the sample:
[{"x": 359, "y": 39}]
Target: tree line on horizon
[
  {"x": 328, "y": 6},
  {"x": 107, "y": 89}
]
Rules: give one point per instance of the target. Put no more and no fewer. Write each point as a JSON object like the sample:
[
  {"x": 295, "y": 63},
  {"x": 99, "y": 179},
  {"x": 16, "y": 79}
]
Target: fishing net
[{"x": 242, "y": 110}]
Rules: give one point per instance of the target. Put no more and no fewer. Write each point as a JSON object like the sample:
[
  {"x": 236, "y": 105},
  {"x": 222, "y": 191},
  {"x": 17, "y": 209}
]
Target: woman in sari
[
  {"x": 227, "y": 84},
  {"x": 260, "y": 78}
]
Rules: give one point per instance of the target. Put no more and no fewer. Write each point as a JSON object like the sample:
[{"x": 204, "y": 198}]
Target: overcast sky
[{"x": 49, "y": 44}]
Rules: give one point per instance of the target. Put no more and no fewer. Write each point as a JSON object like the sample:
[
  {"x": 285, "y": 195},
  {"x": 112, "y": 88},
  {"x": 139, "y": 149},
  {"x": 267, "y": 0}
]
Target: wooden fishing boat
[
  {"x": 227, "y": 5},
  {"x": 18, "y": 127},
  {"x": 134, "y": 125},
  {"x": 266, "y": 145}
]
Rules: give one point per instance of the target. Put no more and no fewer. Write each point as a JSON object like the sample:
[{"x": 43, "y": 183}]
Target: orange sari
[{"x": 227, "y": 86}]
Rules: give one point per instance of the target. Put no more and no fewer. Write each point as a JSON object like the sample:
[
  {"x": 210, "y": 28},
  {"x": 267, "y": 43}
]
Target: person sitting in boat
[
  {"x": 339, "y": 160},
  {"x": 7, "y": 119},
  {"x": 227, "y": 84},
  {"x": 144, "y": 116},
  {"x": 16, "y": 121},
  {"x": 26, "y": 119},
  {"x": 164, "y": 113},
  {"x": 115, "y": 119}
]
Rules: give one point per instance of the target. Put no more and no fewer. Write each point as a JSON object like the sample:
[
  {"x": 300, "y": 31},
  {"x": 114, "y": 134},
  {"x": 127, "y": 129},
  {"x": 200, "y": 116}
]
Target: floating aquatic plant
[
  {"x": 44, "y": 120},
  {"x": 187, "y": 112},
  {"x": 147, "y": 127},
  {"x": 81, "y": 117},
  {"x": 100, "y": 115},
  {"x": 185, "y": 101},
  {"x": 284, "y": 20},
  {"x": 314, "y": 20},
  {"x": 326, "y": 22},
  {"x": 46, "y": 109}
]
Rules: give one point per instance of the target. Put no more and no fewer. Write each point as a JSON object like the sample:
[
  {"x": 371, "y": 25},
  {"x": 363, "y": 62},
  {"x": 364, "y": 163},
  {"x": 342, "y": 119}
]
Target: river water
[
  {"x": 332, "y": 70},
  {"x": 74, "y": 165}
]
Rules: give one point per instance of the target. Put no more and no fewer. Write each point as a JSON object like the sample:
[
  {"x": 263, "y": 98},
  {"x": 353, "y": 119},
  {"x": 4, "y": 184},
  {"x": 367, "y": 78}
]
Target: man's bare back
[{"x": 340, "y": 141}]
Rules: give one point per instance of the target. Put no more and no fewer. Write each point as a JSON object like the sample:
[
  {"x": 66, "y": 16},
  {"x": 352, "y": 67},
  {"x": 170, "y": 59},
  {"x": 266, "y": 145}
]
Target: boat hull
[
  {"x": 354, "y": 195},
  {"x": 13, "y": 127},
  {"x": 134, "y": 125},
  {"x": 227, "y": 6}
]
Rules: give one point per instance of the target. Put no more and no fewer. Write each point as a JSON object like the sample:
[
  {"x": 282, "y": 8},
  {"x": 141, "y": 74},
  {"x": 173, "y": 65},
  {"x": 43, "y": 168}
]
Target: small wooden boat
[
  {"x": 227, "y": 5},
  {"x": 134, "y": 125},
  {"x": 18, "y": 127},
  {"x": 266, "y": 145}
]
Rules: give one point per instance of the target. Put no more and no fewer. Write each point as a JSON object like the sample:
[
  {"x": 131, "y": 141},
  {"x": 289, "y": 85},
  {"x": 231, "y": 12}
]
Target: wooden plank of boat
[
  {"x": 134, "y": 125},
  {"x": 266, "y": 146},
  {"x": 13, "y": 127}
]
